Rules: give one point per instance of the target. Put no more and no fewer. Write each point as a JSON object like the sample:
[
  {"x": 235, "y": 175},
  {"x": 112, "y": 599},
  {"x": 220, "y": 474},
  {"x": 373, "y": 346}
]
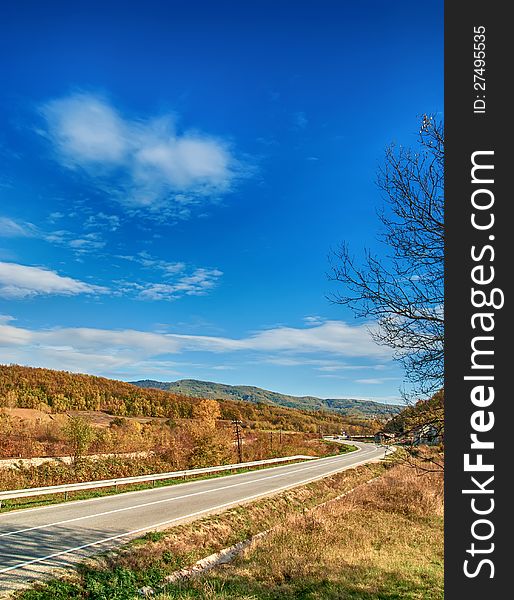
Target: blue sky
[{"x": 174, "y": 175}]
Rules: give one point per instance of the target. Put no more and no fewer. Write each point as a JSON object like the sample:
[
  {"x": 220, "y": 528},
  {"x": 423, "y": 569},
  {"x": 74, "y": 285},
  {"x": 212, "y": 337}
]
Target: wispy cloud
[
  {"x": 11, "y": 228},
  {"x": 102, "y": 221},
  {"x": 198, "y": 283},
  {"x": 85, "y": 241},
  {"x": 331, "y": 336},
  {"x": 376, "y": 380},
  {"x": 55, "y": 216},
  {"x": 151, "y": 262},
  {"x": 80, "y": 243},
  {"x": 144, "y": 163},
  {"x": 319, "y": 364},
  {"x": 22, "y": 281},
  {"x": 133, "y": 353},
  {"x": 300, "y": 120},
  {"x": 313, "y": 320},
  {"x": 334, "y": 337},
  {"x": 178, "y": 278}
]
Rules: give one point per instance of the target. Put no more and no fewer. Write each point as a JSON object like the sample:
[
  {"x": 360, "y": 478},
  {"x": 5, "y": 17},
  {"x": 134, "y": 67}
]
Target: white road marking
[
  {"x": 157, "y": 525},
  {"x": 26, "y": 511},
  {"x": 127, "y": 508}
]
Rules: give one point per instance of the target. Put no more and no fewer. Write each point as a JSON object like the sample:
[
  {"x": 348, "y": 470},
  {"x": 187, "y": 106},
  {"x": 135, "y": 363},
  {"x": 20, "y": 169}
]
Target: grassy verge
[
  {"x": 146, "y": 561},
  {"x": 383, "y": 541},
  {"x": 36, "y": 501}
]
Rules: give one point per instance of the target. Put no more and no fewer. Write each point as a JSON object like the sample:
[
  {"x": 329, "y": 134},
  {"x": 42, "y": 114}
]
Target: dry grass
[
  {"x": 183, "y": 545},
  {"x": 148, "y": 560},
  {"x": 113, "y": 466},
  {"x": 383, "y": 541}
]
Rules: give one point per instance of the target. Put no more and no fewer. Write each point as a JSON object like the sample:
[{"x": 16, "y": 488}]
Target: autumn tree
[
  {"x": 210, "y": 445},
  {"x": 207, "y": 411},
  {"x": 419, "y": 424},
  {"x": 79, "y": 434}
]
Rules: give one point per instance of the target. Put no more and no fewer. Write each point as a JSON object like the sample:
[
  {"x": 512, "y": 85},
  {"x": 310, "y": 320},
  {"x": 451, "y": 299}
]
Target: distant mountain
[
  {"x": 221, "y": 391},
  {"x": 58, "y": 392}
]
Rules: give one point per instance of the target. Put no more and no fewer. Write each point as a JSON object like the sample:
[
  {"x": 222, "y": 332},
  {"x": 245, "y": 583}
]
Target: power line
[{"x": 237, "y": 426}]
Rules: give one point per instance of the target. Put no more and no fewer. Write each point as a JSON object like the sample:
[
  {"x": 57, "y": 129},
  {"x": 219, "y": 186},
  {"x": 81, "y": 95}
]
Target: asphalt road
[{"x": 33, "y": 542}]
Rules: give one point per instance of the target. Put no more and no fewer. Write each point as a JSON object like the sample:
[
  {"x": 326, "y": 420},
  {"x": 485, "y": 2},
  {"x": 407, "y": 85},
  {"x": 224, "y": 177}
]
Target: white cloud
[
  {"x": 86, "y": 243},
  {"x": 102, "y": 221},
  {"x": 85, "y": 129},
  {"x": 376, "y": 380},
  {"x": 79, "y": 242},
  {"x": 333, "y": 337},
  {"x": 144, "y": 164},
  {"x": 129, "y": 351},
  {"x": 325, "y": 365},
  {"x": 147, "y": 260},
  {"x": 55, "y": 216},
  {"x": 21, "y": 281},
  {"x": 179, "y": 279},
  {"x": 80, "y": 348},
  {"x": 11, "y": 228},
  {"x": 313, "y": 320},
  {"x": 198, "y": 283}
]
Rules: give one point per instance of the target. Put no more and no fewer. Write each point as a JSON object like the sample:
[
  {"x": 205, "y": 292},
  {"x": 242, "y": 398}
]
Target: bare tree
[{"x": 404, "y": 290}]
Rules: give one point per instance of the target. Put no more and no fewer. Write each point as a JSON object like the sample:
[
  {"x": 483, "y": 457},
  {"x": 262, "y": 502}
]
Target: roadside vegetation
[
  {"x": 148, "y": 560},
  {"x": 95, "y": 421},
  {"x": 325, "y": 449},
  {"x": 88, "y": 469},
  {"x": 171, "y": 433},
  {"x": 383, "y": 539}
]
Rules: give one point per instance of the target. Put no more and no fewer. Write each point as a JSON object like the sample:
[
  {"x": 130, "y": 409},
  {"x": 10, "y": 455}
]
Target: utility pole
[
  {"x": 237, "y": 425},
  {"x": 271, "y": 440}
]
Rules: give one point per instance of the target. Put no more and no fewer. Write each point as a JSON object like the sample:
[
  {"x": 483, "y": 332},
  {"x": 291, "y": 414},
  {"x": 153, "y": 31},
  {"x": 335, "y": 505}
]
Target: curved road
[{"x": 35, "y": 541}]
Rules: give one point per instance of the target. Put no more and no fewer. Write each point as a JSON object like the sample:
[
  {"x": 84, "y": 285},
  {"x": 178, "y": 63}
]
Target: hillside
[
  {"x": 256, "y": 395},
  {"x": 61, "y": 391},
  {"x": 422, "y": 414}
]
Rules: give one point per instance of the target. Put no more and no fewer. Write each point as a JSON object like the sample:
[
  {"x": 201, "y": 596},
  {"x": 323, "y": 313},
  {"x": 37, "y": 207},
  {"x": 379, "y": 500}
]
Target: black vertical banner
[{"x": 478, "y": 349}]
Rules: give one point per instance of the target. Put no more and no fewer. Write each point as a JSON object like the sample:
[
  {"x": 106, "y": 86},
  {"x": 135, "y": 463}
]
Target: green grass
[{"x": 118, "y": 584}]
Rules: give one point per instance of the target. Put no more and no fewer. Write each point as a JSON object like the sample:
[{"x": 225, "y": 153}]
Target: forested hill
[
  {"x": 61, "y": 391},
  {"x": 220, "y": 391},
  {"x": 429, "y": 412}
]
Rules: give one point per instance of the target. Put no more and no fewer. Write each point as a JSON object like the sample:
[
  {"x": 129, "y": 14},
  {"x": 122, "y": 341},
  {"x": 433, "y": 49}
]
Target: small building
[
  {"x": 384, "y": 437},
  {"x": 426, "y": 435}
]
